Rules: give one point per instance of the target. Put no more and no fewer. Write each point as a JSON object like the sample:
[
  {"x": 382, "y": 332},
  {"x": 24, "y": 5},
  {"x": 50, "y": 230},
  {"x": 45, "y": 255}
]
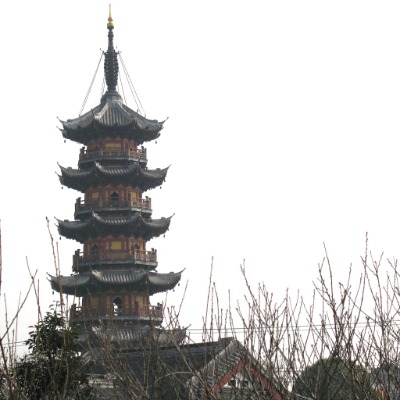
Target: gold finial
[{"x": 110, "y": 24}]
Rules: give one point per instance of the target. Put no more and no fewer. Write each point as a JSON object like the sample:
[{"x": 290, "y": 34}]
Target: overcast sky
[{"x": 282, "y": 134}]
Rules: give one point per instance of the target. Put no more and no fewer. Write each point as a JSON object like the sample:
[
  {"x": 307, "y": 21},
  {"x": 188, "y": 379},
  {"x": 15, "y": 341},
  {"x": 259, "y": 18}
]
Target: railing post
[
  {"x": 77, "y": 204},
  {"x": 75, "y": 260}
]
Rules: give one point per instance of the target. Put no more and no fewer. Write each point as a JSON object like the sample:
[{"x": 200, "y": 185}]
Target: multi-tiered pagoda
[{"x": 114, "y": 275}]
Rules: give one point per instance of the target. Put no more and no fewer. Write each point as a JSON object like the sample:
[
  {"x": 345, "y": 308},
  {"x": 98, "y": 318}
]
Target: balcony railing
[
  {"x": 138, "y": 311},
  {"x": 136, "y": 256},
  {"x": 81, "y": 205},
  {"x": 90, "y": 155}
]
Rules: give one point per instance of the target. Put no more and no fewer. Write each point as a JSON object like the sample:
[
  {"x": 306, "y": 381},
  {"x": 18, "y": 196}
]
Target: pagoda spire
[{"x": 111, "y": 59}]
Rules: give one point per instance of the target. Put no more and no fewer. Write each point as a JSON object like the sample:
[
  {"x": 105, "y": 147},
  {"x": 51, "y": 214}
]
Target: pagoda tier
[
  {"x": 100, "y": 281},
  {"x": 111, "y": 118},
  {"x": 98, "y": 175},
  {"x": 98, "y": 226},
  {"x": 110, "y": 206},
  {"x": 126, "y": 154}
]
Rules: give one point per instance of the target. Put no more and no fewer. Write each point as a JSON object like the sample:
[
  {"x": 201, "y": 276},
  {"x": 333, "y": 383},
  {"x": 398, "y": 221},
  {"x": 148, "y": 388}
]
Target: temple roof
[
  {"x": 194, "y": 371},
  {"x": 111, "y": 118},
  {"x": 132, "y": 175},
  {"x": 78, "y": 285},
  {"x": 96, "y": 225},
  {"x": 133, "y": 336}
]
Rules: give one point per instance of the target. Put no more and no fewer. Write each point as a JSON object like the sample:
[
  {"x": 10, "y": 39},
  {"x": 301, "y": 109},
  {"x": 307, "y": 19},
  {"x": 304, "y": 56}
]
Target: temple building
[{"x": 114, "y": 274}]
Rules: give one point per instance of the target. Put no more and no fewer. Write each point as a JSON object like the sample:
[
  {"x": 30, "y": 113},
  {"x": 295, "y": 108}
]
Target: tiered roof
[
  {"x": 130, "y": 175},
  {"x": 111, "y": 118},
  {"x": 98, "y": 226},
  {"x": 138, "y": 279}
]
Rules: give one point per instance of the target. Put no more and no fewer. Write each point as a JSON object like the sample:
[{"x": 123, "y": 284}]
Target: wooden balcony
[
  {"x": 100, "y": 154},
  {"x": 139, "y": 312},
  {"x": 148, "y": 258},
  {"x": 140, "y": 204}
]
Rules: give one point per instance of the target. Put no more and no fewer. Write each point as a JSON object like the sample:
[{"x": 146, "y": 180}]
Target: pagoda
[{"x": 114, "y": 274}]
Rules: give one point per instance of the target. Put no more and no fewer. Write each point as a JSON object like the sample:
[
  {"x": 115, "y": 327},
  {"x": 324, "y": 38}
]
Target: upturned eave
[
  {"x": 81, "y": 284},
  {"x": 111, "y": 119},
  {"x": 132, "y": 175},
  {"x": 97, "y": 226}
]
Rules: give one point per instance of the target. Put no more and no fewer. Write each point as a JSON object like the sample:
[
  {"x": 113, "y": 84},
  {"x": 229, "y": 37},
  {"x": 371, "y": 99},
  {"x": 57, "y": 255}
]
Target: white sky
[{"x": 282, "y": 134}]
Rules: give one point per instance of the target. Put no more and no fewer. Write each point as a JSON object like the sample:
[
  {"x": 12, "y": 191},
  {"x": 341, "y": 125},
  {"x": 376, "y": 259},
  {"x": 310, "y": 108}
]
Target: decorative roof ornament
[
  {"x": 111, "y": 58},
  {"x": 110, "y": 24}
]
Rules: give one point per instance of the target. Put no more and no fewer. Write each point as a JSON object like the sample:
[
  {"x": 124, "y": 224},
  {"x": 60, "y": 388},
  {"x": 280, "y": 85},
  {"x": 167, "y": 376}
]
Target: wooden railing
[
  {"x": 114, "y": 255},
  {"x": 139, "y": 311},
  {"x": 81, "y": 205},
  {"x": 100, "y": 153}
]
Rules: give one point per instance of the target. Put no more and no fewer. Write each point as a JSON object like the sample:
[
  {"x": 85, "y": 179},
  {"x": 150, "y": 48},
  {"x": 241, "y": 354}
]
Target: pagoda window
[
  {"x": 135, "y": 307},
  {"x": 114, "y": 198},
  {"x": 94, "y": 302},
  {"x": 132, "y": 196},
  {"x": 136, "y": 250},
  {"x": 117, "y": 306},
  {"x": 95, "y": 198},
  {"x": 95, "y": 251}
]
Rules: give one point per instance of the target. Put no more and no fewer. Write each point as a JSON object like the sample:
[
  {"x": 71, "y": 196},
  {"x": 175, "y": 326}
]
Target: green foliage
[
  {"x": 333, "y": 379},
  {"x": 53, "y": 368}
]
